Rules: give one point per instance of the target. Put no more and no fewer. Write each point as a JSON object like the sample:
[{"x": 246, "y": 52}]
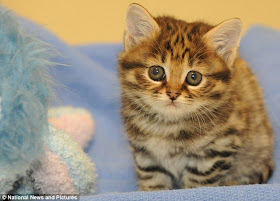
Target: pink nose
[{"x": 173, "y": 95}]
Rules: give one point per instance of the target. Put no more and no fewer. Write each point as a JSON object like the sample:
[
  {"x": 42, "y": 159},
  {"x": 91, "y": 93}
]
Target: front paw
[
  {"x": 153, "y": 188},
  {"x": 154, "y": 178}
]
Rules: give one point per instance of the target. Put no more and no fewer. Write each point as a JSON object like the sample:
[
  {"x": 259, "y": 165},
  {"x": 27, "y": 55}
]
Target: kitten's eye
[
  {"x": 194, "y": 78},
  {"x": 156, "y": 73}
]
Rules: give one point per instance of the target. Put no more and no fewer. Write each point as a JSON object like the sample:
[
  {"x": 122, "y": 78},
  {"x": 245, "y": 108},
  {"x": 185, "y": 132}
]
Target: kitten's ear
[
  {"x": 225, "y": 38},
  {"x": 139, "y": 25}
]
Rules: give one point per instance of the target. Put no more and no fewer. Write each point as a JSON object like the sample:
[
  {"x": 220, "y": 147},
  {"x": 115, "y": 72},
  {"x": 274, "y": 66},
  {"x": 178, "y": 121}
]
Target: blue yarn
[{"x": 25, "y": 91}]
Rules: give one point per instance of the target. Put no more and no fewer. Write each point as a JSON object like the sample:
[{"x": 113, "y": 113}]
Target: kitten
[{"x": 193, "y": 111}]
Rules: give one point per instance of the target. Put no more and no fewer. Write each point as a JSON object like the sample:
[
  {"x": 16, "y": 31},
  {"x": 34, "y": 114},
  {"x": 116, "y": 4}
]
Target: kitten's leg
[
  {"x": 226, "y": 170},
  {"x": 151, "y": 176},
  {"x": 195, "y": 180},
  {"x": 207, "y": 171},
  {"x": 253, "y": 172}
]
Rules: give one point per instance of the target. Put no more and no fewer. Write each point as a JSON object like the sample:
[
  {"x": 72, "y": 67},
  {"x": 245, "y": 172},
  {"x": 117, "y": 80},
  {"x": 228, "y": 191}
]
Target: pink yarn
[
  {"x": 79, "y": 125},
  {"x": 52, "y": 176}
]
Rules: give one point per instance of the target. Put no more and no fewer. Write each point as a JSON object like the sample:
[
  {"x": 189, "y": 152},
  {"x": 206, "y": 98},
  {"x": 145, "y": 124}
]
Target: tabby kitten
[{"x": 192, "y": 109}]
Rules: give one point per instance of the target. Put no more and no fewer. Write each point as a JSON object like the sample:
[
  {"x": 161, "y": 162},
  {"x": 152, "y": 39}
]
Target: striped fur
[{"x": 217, "y": 133}]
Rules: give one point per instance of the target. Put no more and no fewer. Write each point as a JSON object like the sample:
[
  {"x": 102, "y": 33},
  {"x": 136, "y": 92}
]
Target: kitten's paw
[{"x": 153, "y": 188}]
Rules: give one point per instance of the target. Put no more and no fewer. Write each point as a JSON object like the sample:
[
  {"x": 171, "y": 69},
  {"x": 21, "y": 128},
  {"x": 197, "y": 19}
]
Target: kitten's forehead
[
  {"x": 180, "y": 40},
  {"x": 174, "y": 25}
]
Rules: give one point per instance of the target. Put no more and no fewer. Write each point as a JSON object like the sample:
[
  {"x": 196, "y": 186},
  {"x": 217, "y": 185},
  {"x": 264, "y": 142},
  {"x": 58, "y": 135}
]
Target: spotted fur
[{"x": 216, "y": 133}]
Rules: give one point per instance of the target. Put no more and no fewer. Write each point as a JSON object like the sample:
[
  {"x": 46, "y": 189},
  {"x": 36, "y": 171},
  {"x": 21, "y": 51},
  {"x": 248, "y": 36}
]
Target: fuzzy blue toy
[{"x": 34, "y": 157}]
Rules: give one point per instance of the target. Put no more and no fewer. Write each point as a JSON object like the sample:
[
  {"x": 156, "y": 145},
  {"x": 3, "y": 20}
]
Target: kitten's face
[{"x": 174, "y": 72}]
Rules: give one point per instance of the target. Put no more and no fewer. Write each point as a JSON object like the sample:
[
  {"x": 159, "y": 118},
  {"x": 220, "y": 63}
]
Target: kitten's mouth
[{"x": 172, "y": 105}]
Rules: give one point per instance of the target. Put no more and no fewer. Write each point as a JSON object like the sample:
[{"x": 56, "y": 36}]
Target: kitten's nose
[{"x": 173, "y": 95}]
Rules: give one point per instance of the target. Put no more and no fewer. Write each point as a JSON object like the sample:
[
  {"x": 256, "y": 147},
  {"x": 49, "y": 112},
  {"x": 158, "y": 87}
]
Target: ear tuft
[
  {"x": 225, "y": 39},
  {"x": 139, "y": 25}
]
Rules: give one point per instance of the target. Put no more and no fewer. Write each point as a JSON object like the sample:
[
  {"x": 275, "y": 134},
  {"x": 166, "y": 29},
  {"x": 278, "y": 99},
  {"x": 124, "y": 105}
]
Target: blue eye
[
  {"x": 194, "y": 78},
  {"x": 156, "y": 73}
]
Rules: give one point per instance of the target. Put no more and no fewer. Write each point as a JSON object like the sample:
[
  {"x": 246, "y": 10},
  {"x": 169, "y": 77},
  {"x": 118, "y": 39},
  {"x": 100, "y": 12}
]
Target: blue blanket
[{"x": 91, "y": 82}]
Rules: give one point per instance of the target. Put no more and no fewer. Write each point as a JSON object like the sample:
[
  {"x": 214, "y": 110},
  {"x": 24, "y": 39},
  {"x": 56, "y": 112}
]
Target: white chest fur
[{"x": 168, "y": 156}]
